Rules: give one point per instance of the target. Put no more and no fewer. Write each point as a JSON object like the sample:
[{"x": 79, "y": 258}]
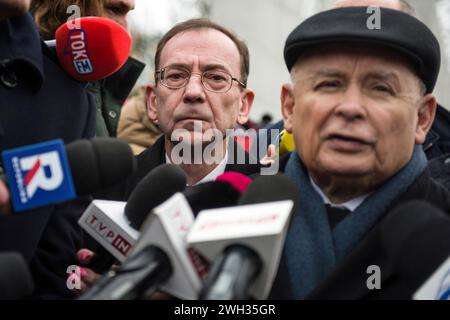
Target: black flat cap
[{"x": 399, "y": 31}]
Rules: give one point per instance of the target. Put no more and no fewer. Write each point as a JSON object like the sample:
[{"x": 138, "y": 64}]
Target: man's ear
[
  {"x": 152, "y": 101},
  {"x": 247, "y": 98},
  {"x": 287, "y": 105},
  {"x": 426, "y": 114}
]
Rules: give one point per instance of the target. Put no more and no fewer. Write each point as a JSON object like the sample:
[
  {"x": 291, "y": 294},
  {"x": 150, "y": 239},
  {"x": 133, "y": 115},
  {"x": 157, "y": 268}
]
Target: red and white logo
[
  {"x": 43, "y": 171},
  {"x": 77, "y": 47}
]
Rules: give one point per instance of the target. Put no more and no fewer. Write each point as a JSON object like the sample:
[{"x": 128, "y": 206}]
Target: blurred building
[{"x": 265, "y": 25}]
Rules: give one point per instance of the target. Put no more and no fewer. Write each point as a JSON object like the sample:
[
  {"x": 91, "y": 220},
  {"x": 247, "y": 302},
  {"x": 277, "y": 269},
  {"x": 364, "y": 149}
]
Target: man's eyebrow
[
  {"x": 206, "y": 67},
  {"x": 329, "y": 73},
  {"x": 325, "y": 72},
  {"x": 215, "y": 66},
  {"x": 380, "y": 75},
  {"x": 383, "y": 75},
  {"x": 178, "y": 65}
]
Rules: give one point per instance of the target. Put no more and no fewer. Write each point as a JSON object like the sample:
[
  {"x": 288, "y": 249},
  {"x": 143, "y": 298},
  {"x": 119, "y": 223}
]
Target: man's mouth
[
  {"x": 349, "y": 143},
  {"x": 191, "y": 118},
  {"x": 348, "y": 138}
]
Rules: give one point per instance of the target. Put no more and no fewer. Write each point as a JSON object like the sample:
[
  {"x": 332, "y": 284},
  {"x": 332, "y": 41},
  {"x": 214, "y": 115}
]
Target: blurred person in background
[
  {"x": 39, "y": 102},
  {"x": 134, "y": 124},
  {"x": 110, "y": 93}
]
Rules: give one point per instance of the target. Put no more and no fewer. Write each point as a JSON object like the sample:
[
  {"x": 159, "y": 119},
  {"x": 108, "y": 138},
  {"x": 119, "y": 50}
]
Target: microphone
[
  {"x": 94, "y": 51},
  {"x": 225, "y": 191},
  {"x": 15, "y": 278},
  {"x": 238, "y": 180},
  {"x": 115, "y": 224},
  {"x": 47, "y": 173},
  {"x": 164, "y": 231},
  {"x": 147, "y": 268},
  {"x": 99, "y": 163},
  {"x": 245, "y": 242},
  {"x": 415, "y": 237},
  {"x": 154, "y": 189}
]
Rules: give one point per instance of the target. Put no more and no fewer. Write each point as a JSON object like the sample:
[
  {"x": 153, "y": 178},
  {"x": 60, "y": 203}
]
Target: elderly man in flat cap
[{"x": 359, "y": 107}]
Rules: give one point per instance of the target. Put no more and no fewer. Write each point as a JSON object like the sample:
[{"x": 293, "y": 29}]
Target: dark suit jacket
[
  {"x": 155, "y": 156},
  {"x": 349, "y": 279}
]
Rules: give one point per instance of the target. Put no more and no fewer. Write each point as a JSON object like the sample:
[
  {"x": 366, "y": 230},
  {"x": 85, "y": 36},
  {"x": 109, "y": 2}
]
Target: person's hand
[
  {"x": 5, "y": 199},
  {"x": 87, "y": 276},
  {"x": 270, "y": 156}
]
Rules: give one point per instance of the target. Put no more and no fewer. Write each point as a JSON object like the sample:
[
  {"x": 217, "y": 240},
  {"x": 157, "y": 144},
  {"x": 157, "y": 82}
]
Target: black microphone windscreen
[
  {"x": 99, "y": 163},
  {"x": 15, "y": 278},
  {"x": 211, "y": 195},
  {"x": 416, "y": 238},
  {"x": 270, "y": 188},
  {"x": 155, "y": 188}
]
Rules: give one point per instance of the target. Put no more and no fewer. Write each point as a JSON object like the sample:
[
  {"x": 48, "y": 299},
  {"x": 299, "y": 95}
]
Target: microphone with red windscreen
[
  {"x": 95, "y": 50},
  {"x": 238, "y": 180}
]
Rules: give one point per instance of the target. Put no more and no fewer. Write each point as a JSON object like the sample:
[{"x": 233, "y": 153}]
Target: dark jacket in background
[
  {"x": 39, "y": 102},
  {"x": 110, "y": 95}
]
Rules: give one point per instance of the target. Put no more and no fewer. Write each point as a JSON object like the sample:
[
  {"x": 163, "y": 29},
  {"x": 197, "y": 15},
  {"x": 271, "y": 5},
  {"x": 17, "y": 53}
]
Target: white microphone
[
  {"x": 111, "y": 223},
  {"x": 437, "y": 287},
  {"x": 161, "y": 258},
  {"x": 167, "y": 228},
  {"x": 105, "y": 221},
  {"x": 245, "y": 242}
]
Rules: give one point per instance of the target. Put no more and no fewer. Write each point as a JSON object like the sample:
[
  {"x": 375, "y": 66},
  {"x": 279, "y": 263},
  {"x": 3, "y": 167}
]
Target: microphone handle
[
  {"x": 231, "y": 276},
  {"x": 139, "y": 274}
]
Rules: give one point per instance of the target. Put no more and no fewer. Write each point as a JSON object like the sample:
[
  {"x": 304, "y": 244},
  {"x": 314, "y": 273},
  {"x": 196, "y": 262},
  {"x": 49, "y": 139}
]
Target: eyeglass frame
[{"x": 160, "y": 71}]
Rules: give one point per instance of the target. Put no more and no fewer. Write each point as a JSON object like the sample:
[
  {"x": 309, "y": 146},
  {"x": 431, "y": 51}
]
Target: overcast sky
[{"x": 157, "y": 16}]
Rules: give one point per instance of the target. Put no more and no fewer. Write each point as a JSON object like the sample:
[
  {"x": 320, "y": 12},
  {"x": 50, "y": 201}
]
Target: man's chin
[
  {"x": 192, "y": 125},
  {"x": 194, "y": 139},
  {"x": 346, "y": 166}
]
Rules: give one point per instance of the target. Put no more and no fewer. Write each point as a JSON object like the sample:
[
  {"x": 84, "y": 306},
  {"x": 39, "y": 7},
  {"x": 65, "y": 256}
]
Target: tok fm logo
[
  {"x": 78, "y": 49},
  {"x": 43, "y": 171}
]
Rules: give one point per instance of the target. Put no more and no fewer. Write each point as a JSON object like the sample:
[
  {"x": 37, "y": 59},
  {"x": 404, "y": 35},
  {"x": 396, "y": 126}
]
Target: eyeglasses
[{"x": 212, "y": 80}]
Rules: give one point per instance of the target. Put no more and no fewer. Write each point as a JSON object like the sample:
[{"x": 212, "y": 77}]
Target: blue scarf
[{"x": 312, "y": 249}]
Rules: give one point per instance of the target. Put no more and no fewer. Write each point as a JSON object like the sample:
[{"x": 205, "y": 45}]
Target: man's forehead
[{"x": 202, "y": 46}]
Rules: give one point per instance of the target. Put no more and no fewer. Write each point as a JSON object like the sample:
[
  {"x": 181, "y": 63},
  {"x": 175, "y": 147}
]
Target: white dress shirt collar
[
  {"x": 217, "y": 171},
  {"x": 350, "y": 205}
]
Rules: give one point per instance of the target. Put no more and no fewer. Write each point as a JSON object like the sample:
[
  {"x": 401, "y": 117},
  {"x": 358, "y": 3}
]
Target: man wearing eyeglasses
[{"x": 200, "y": 86}]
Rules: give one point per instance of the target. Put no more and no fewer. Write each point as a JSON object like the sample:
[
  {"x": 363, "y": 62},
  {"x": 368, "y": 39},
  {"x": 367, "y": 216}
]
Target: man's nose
[
  {"x": 194, "y": 90},
  {"x": 352, "y": 104}
]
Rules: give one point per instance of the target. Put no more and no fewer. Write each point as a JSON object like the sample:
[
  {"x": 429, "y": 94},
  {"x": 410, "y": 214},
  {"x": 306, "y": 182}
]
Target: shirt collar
[
  {"x": 217, "y": 171},
  {"x": 21, "y": 48},
  {"x": 350, "y": 205}
]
